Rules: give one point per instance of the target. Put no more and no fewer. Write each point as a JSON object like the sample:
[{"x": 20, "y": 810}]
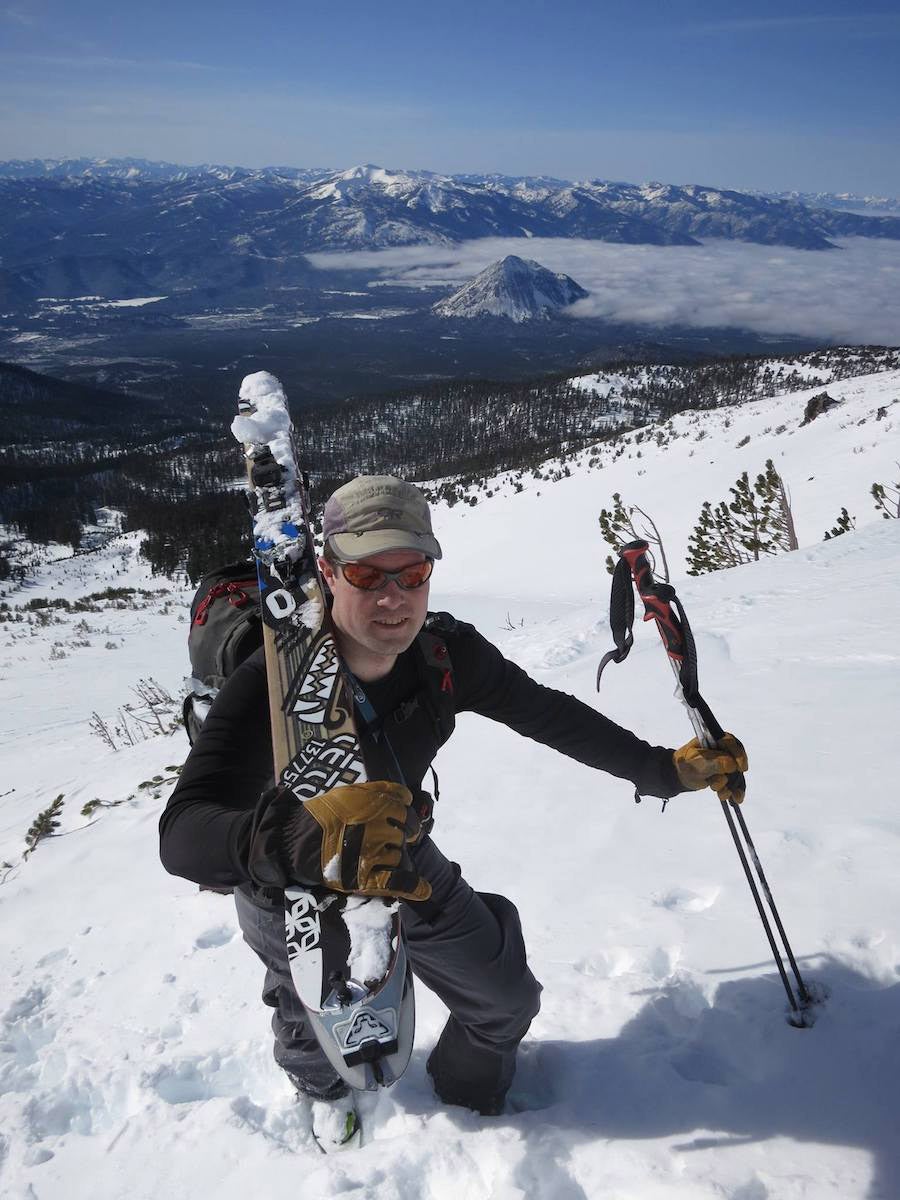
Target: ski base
[{"x": 347, "y": 955}]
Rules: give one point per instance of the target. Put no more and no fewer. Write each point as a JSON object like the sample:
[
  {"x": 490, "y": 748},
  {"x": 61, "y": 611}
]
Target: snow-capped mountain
[
  {"x": 136, "y": 169},
  {"x": 843, "y": 201},
  {"x": 517, "y": 288}
]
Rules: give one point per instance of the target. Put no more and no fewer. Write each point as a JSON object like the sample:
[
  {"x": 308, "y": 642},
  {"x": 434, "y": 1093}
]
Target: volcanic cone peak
[{"x": 517, "y": 288}]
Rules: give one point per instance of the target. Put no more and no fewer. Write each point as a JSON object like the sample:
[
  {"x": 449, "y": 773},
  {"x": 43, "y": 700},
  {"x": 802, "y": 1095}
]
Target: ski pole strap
[
  {"x": 661, "y": 604},
  {"x": 621, "y": 617}
]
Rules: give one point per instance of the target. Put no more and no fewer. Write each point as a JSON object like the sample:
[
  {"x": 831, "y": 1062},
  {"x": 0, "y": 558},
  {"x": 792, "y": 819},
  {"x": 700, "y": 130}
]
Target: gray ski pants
[{"x": 471, "y": 954}]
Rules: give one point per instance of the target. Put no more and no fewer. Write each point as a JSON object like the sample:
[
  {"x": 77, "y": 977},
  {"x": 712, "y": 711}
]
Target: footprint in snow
[
  {"x": 754, "y": 1190},
  {"x": 662, "y": 963},
  {"x": 535, "y": 1086},
  {"x": 193, "y": 1079},
  {"x": 212, "y": 938},
  {"x": 25, "y": 1006},
  {"x": 682, "y": 900}
]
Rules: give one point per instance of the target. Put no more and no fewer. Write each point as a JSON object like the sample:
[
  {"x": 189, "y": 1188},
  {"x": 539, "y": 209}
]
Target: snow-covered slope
[
  {"x": 134, "y": 1054},
  {"x": 517, "y": 288},
  {"x": 669, "y": 470}
]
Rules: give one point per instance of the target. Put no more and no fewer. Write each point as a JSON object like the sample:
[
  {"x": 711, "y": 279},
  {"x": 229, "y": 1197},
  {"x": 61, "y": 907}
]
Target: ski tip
[
  {"x": 254, "y": 387},
  {"x": 263, "y": 415}
]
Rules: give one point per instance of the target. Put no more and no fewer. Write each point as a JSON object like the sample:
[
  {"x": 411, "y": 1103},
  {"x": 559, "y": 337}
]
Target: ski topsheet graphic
[{"x": 347, "y": 954}]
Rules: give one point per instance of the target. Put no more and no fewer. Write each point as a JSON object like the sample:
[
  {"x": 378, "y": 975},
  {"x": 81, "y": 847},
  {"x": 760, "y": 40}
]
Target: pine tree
[
  {"x": 705, "y": 544},
  {"x": 843, "y": 524},
  {"x": 752, "y": 518},
  {"x": 771, "y": 489},
  {"x": 756, "y": 520}
]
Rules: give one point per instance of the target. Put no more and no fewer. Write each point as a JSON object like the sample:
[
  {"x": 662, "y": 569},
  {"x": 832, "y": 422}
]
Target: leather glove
[
  {"x": 719, "y": 767},
  {"x": 350, "y": 839}
]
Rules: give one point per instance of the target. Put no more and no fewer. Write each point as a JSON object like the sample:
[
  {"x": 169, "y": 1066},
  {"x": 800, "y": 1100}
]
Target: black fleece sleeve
[
  {"x": 489, "y": 684},
  {"x": 205, "y": 829}
]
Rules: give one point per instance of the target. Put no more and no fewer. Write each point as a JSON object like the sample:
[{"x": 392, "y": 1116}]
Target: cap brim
[{"x": 351, "y": 547}]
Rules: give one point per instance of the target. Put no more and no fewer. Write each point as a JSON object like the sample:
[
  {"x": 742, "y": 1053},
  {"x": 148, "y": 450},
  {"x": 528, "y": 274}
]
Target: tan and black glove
[
  {"x": 351, "y": 839},
  {"x": 719, "y": 767}
]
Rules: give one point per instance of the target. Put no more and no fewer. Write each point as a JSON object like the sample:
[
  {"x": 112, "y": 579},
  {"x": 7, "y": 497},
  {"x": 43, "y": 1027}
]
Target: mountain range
[
  {"x": 120, "y": 229},
  {"x": 142, "y": 168}
]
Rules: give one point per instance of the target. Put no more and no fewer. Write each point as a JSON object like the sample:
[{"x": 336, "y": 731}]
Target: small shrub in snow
[
  {"x": 43, "y": 825},
  {"x": 618, "y": 527},
  {"x": 843, "y": 524},
  {"x": 100, "y": 729},
  {"x": 887, "y": 499}
]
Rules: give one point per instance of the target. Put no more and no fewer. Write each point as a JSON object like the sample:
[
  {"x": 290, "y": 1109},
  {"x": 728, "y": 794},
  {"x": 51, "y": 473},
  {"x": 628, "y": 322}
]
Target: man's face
[{"x": 383, "y": 622}]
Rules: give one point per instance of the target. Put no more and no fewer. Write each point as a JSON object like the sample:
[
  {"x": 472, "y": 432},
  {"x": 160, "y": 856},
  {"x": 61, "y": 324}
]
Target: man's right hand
[{"x": 351, "y": 839}]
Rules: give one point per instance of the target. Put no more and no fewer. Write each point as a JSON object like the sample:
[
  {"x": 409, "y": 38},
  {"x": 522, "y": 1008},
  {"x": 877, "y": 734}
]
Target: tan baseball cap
[{"x": 376, "y": 513}]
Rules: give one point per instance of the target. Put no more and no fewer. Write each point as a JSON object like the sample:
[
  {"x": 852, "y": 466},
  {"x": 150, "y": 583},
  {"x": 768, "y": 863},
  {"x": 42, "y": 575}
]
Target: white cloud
[
  {"x": 851, "y": 294},
  {"x": 853, "y": 23},
  {"x": 94, "y": 61},
  {"x": 18, "y": 16}
]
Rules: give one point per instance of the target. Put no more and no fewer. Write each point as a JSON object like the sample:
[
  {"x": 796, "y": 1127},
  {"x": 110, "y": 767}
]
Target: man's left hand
[{"x": 717, "y": 767}]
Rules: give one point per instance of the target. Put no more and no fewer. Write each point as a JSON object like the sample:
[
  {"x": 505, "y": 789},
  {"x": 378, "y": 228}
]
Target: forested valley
[{"x": 68, "y": 452}]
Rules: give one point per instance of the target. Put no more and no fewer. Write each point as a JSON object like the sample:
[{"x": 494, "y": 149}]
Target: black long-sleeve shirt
[{"x": 205, "y": 829}]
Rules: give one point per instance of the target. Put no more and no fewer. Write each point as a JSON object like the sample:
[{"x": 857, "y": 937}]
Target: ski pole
[{"x": 662, "y": 605}]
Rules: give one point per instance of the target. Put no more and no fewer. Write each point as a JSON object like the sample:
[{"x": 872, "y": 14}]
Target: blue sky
[{"x": 769, "y": 96}]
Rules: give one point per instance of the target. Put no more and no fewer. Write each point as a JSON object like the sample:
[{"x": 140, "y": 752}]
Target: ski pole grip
[
  {"x": 712, "y": 733},
  {"x": 657, "y": 598}
]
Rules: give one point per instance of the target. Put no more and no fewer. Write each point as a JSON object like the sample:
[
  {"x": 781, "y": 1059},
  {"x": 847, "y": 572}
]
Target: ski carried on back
[{"x": 347, "y": 953}]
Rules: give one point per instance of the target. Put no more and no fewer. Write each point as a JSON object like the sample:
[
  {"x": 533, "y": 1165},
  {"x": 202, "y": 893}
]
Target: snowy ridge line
[
  {"x": 859, "y": 434},
  {"x": 370, "y": 207},
  {"x": 777, "y": 376}
]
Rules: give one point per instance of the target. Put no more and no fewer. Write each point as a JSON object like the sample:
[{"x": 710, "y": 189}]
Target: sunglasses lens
[
  {"x": 361, "y": 576},
  {"x": 415, "y": 576}
]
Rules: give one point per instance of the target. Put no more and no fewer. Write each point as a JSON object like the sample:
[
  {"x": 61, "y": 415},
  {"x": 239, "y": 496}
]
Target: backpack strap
[
  {"x": 436, "y": 656},
  {"x": 234, "y": 590}
]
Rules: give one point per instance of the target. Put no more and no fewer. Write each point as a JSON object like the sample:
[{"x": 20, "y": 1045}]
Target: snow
[
  {"x": 136, "y": 303},
  {"x": 369, "y": 926},
  {"x": 135, "y": 1054},
  {"x": 270, "y": 423}
]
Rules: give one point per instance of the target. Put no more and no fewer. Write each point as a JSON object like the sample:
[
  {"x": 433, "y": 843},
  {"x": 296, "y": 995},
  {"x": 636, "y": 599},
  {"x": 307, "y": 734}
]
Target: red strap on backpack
[{"x": 234, "y": 591}]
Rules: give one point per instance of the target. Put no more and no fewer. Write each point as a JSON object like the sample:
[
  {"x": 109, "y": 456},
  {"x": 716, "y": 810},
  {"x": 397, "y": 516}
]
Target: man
[{"x": 466, "y": 946}]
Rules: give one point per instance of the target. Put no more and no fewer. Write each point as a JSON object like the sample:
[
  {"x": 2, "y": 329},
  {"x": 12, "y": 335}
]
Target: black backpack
[{"x": 225, "y": 629}]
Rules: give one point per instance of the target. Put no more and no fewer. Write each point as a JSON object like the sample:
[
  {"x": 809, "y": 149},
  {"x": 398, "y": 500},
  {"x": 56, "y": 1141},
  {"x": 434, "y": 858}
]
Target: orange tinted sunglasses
[{"x": 372, "y": 579}]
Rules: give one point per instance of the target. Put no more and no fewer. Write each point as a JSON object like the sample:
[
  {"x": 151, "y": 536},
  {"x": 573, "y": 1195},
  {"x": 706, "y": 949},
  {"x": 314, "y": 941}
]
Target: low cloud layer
[{"x": 851, "y": 294}]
